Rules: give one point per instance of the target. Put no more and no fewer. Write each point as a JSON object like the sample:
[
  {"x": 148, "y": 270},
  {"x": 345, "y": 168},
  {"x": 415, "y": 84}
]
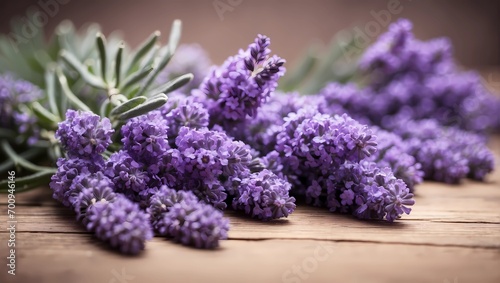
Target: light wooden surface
[{"x": 451, "y": 236}]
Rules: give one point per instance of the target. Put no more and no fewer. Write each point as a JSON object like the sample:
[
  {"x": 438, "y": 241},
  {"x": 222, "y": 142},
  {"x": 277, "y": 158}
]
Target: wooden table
[{"x": 451, "y": 236}]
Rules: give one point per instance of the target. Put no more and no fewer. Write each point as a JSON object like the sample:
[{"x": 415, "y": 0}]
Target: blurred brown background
[{"x": 224, "y": 26}]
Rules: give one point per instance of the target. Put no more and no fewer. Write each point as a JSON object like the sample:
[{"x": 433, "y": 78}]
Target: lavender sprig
[{"x": 181, "y": 216}]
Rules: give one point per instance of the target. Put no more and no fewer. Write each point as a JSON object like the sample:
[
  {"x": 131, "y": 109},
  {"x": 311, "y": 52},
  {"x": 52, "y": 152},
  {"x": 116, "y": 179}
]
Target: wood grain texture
[{"x": 452, "y": 235}]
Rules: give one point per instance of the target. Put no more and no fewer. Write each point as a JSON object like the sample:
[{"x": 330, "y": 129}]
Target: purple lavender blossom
[
  {"x": 145, "y": 137},
  {"x": 264, "y": 196},
  {"x": 120, "y": 223},
  {"x": 260, "y": 132},
  {"x": 129, "y": 176},
  {"x": 313, "y": 141},
  {"x": 447, "y": 154},
  {"x": 84, "y": 133},
  {"x": 187, "y": 113},
  {"x": 389, "y": 54},
  {"x": 367, "y": 192},
  {"x": 239, "y": 87},
  {"x": 91, "y": 188},
  {"x": 68, "y": 169},
  {"x": 15, "y": 97},
  {"x": 181, "y": 216},
  {"x": 211, "y": 163},
  {"x": 419, "y": 80},
  {"x": 393, "y": 153}
]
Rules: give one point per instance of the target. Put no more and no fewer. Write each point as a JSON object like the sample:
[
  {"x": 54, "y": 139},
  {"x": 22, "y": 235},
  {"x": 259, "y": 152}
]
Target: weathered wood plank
[
  {"x": 78, "y": 258},
  {"x": 311, "y": 223}
]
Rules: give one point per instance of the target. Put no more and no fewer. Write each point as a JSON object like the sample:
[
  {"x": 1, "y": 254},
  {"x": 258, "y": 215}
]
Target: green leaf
[
  {"x": 19, "y": 160},
  {"x": 152, "y": 76},
  {"x": 91, "y": 79},
  {"x": 105, "y": 108},
  {"x": 69, "y": 94},
  {"x": 87, "y": 41},
  {"x": 143, "y": 50},
  {"x": 65, "y": 34},
  {"x": 26, "y": 183},
  {"x": 44, "y": 115},
  {"x": 30, "y": 153},
  {"x": 101, "y": 47},
  {"x": 172, "y": 85},
  {"x": 149, "y": 105},
  {"x": 175, "y": 36},
  {"x": 128, "y": 105},
  {"x": 50, "y": 88},
  {"x": 118, "y": 64},
  {"x": 135, "y": 78},
  {"x": 150, "y": 58}
]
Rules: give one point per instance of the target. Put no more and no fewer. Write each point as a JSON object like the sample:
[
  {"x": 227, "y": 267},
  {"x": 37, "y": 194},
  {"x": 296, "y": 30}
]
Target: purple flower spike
[
  {"x": 130, "y": 177},
  {"x": 264, "y": 196},
  {"x": 68, "y": 169},
  {"x": 120, "y": 223},
  {"x": 398, "y": 200},
  {"x": 15, "y": 114},
  {"x": 310, "y": 140},
  {"x": 93, "y": 188},
  {"x": 145, "y": 137},
  {"x": 242, "y": 84},
  {"x": 188, "y": 113},
  {"x": 181, "y": 216},
  {"x": 84, "y": 133},
  {"x": 212, "y": 163}
]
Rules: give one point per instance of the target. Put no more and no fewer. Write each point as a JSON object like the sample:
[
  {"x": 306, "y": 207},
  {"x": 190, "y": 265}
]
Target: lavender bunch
[
  {"x": 86, "y": 72},
  {"x": 317, "y": 152},
  {"x": 394, "y": 153},
  {"x": 420, "y": 80}
]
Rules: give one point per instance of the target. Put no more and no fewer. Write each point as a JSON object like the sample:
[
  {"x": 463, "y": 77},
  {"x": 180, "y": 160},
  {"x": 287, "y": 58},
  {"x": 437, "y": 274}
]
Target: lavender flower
[
  {"x": 419, "y": 80},
  {"x": 240, "y": 86},
  {"x": 264, "y": 196},
  {"x": 129, "y": 176},
  {"x": 447, "y": 154},
  {"x": 84, "y": 133},
  {"x": 68, "y": 169},
  {"x": 260, "y": 132},
  {"x": 393, "y": 153},
  {"x": 366, "y": 191},
  {"x": 212, "y": 162},
  {"x": 92, "y": 188},
  {"x": 181, "y": 216},
  {"x": 120, "y": 223},
  {"x": 145, "y": 137},
  {"x": 313, "y": 141},
  {"x": 15, "y": 97},
  {"x": 188, "y": 113}
]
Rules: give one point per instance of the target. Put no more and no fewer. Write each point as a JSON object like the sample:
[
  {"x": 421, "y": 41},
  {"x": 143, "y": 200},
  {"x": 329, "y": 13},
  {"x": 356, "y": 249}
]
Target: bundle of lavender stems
[{"x": 230, "y": 139}]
